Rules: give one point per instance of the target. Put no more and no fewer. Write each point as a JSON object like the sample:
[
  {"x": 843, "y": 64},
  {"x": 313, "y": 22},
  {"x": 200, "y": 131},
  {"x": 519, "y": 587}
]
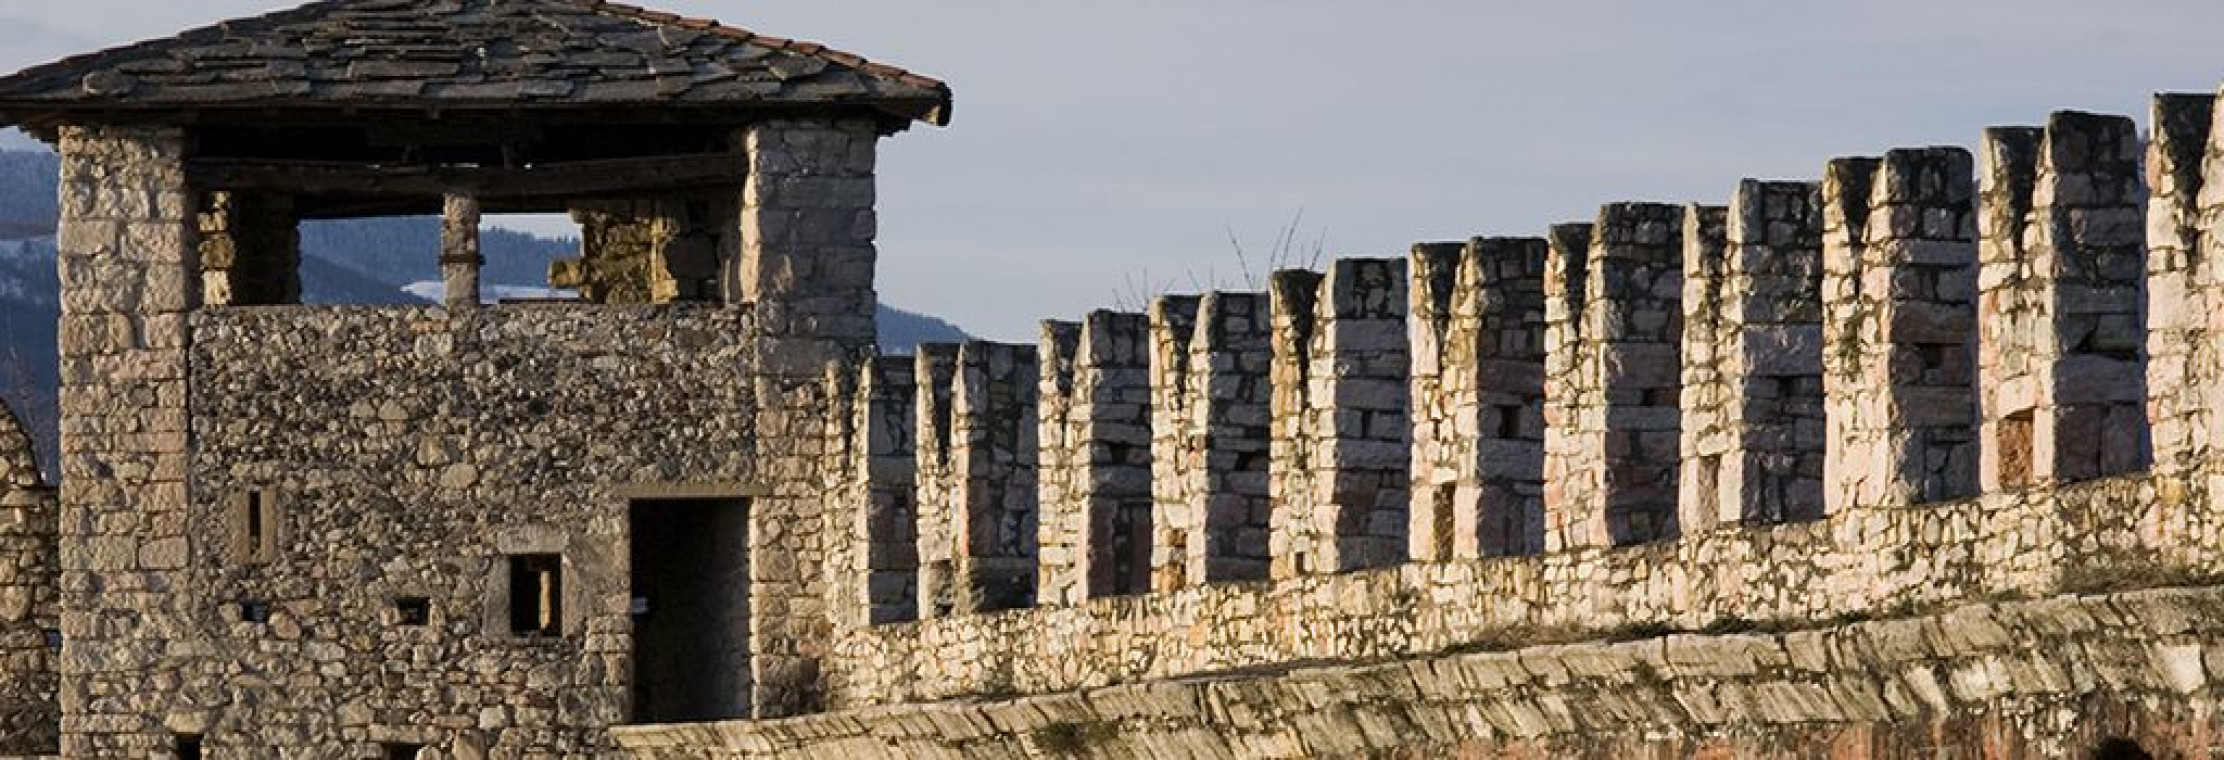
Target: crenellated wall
[{"x": 1673, "y": 417}]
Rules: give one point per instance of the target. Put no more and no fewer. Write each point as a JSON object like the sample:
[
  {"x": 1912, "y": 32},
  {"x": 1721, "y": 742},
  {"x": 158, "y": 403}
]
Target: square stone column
[
  {"x": 1095, "y": 473},
  {"x": 876, "y": 531},
  {"x": 977, "y": 512},
  {"x": 1477, "y": 335},
  {"x": 1209, "y": 451},
  {"x": 460, "y": 259},
  {"x": 1343, "y": 430},
  {"x": 1899, "y": 332},
  {"x": 128, "y": 284},
  {"x": 1618, "y": 460},
  {"x": 2060, "y": 367},
  {"x": 805, "y": 267},
  {"x": 2182, "y": 285},
  {"x": 1753, "y": 427}
]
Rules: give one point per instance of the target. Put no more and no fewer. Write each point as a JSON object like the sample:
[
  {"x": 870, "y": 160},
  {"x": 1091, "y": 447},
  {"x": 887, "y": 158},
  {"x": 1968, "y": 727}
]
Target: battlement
[{"x": 1829, "y": 398}]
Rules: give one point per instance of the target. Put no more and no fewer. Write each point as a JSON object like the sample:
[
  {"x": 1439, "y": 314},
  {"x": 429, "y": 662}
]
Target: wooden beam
[{"x": 494, "y": 184}]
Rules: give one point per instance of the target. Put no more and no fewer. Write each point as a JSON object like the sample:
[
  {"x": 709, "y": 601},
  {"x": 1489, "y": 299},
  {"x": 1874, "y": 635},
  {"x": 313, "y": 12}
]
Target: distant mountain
[{"x": 365, "y": 261}]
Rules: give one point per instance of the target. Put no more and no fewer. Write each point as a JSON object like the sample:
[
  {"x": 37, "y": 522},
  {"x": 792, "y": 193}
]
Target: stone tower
[{"x": 468, "y": 527}]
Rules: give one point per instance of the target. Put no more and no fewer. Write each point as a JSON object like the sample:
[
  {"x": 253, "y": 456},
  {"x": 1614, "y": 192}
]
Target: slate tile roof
[{"x": 462, "y": 54}]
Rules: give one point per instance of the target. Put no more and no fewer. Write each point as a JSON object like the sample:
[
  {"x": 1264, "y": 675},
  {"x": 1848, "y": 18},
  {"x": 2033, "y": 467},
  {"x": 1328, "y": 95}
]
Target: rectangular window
[
  {"x": 188, "y": 746},
  {"x": 402, "y": 751},
  {"x": 255, "y": 521},
  {"x": 537, "y": 594},
  {"x": 2017, "y": 460},
  {"x": 413, "y": 611},
  {"x": 254, "y": 612}
]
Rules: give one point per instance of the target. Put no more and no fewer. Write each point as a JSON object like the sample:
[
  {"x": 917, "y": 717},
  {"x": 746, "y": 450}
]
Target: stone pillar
[
  {"x": 807, "y": 232},
  {"x": 2181, "y": 359},
  {"x": 1566, "y": 275},
  {"x": 1227, "y": 438},
  {"x": 805, "y": 265},
  {"x": 1209, "y": 446},
  {"x": 1623, "y": 443},
  {"x": 1477, "y": 335},
  {"x": 1096, "y": 458},
  {"x": 1178, "y": 476},
  {"x": 1899, "y": 283},
  {"x": 1345, "y": 392},
  {"x": 883, "y": 519},
  {"x": 1706, "y": 393},
  {"x": 128, "y": 283},
  {"x": 935, "y": 379},
  {"x": 1768, "y": 426},
  {"x": 250, "y": 249},
  {"x": 460, "y": 259},
  {"x": 2060, "y": 371},
  {"x": 979, "y": 553},
  {"x": 30, "y": 715}
]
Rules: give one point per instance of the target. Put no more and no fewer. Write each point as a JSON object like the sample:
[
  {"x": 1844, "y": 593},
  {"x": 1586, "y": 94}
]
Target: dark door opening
[{"x": 690, "y": 610}]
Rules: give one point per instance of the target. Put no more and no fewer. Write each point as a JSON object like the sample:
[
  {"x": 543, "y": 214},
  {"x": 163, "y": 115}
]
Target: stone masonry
[
  {"x": 980, "y": 554},
  {"x": 30, "y": 628},
  {"x": 1899, "y": 332},
  {"x": 1477, "y": 330},
  {"x": 1210, "y": 458},
  {"x": 1619, "y": 457},
  {"x": 2181, "y": 283},
  {"x": 1341, "y": 459},
  {"x": 1858, "y": 467},
  {"x": 1096, "y": 458},
  {"x": 2063, "y": 254},
  {"x": 1753, "y": 436}
]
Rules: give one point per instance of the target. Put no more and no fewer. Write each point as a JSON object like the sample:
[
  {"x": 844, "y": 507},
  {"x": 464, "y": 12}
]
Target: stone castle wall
[
  {"x": 2061, "y": 678},
  {"x": 285, "y": 528},
  {"x": 1925, "y": 379},
  {"x": 1829, "y": 399}
]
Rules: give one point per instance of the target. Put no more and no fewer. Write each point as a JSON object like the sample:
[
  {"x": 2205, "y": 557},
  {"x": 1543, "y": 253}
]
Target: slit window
[
  {"x": 413, "y": 611},
  {"x": 2016, "y": 456},
  {"x": 254, "y": 529},
  {"x": 537, "y": 594},
  {"x": 401, "y": 751}
]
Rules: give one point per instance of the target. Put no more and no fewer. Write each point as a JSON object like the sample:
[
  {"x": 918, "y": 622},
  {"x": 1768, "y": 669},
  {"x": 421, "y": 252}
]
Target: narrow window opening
[
  {"x": 1444, "y": 520},
  {"x": 188, "y": 746},
  {"x": 394, "y": 751},
  {"x": 254, "y": 526},
  {"x": 536, "y": 594},
  {"x": 1509, "y": 422},
  {"x": 255, "y": 546},
  {"x": 413, "y": 611},
  {"x": 257, "y": 613},
  {"x": 2016, "y": 453},
  {"x": 53, "y": 638}
]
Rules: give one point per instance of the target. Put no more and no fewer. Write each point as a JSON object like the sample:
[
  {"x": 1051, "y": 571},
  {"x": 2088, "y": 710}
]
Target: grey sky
[{"x": 1113, "y": 142}]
